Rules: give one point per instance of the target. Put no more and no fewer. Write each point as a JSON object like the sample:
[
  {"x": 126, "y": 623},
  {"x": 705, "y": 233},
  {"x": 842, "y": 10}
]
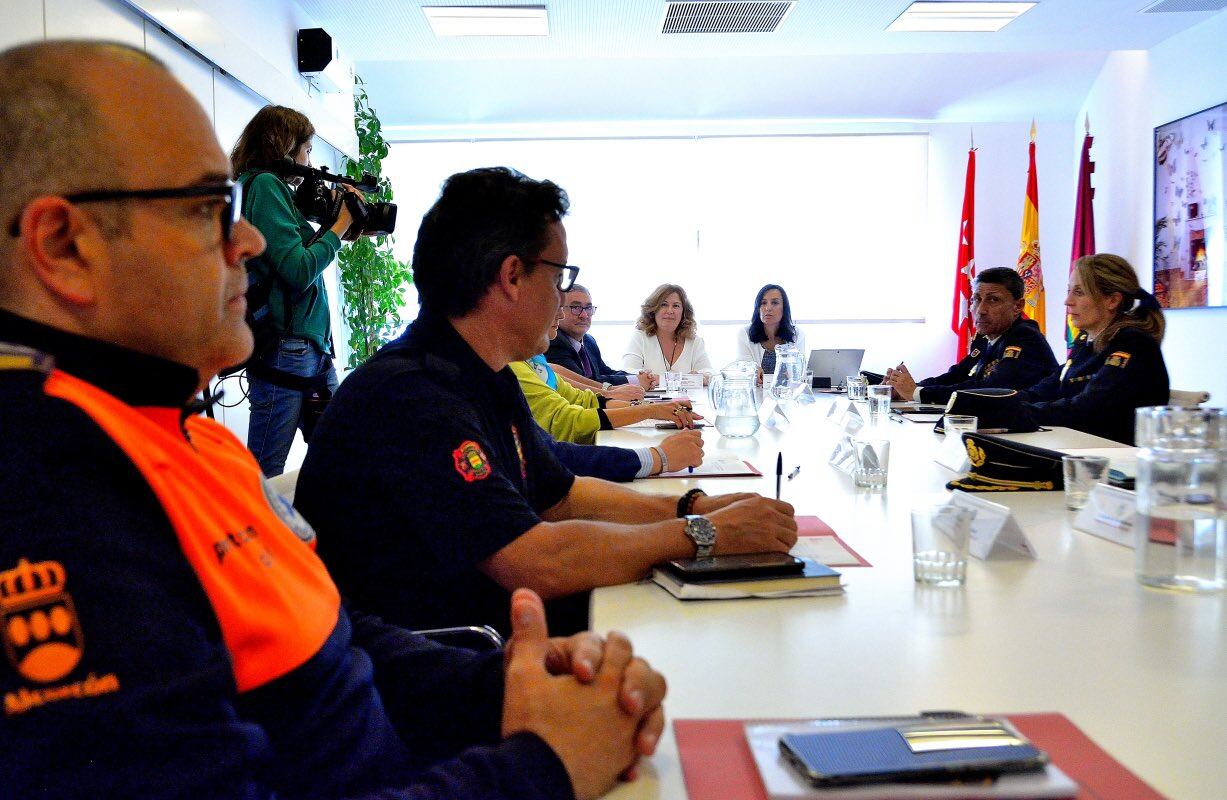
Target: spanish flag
[{"x": 1029, "y": 252}]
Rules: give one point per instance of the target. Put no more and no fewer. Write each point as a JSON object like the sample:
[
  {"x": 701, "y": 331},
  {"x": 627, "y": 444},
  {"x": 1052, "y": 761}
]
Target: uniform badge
[
  {"x": 1118, "y": 359},
  {"x": 990, "y": 367},
  {"x": 42, "y": 637},
  {"x": 1013, "y": 351},
  {"x": 471, "y": 462},
  {"x": 975, "y": 454},
  {"x": 286, "y": 512},
  {"x": 975, "y": 353}
]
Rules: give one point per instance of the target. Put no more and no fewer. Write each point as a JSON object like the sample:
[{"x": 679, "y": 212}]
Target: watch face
[{"x": 700, "y": 530}]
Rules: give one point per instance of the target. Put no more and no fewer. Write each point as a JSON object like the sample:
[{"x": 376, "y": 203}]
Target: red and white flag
[{"x": 965, "y": 270}]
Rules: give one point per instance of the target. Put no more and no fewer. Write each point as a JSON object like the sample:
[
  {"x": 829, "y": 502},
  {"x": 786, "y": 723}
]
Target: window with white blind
[{"x": 826, "y": 217}]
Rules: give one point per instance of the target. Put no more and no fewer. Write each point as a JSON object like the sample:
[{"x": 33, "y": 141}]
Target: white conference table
[{"x": 1142, "y": 672}]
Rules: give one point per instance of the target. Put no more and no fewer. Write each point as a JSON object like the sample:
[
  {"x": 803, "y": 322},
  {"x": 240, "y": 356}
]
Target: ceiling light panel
[
  {"x": 487, "y": 20},
  {"x": 958, "y": 17}
]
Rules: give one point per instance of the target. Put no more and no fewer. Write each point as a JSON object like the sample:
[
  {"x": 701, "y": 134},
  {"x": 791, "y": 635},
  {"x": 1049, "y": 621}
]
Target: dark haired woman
[
  {"x": 1115, "y": 366},
  {"x": 770, "y": 325},
  {"x": 298, "y": 301}
]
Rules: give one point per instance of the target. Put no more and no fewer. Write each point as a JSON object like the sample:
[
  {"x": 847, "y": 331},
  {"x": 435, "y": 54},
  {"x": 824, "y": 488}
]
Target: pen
[
  {"x": 796, "y": 471},
  {"x": 895, "y": 418},
  {"x": 779, "y": 472}
]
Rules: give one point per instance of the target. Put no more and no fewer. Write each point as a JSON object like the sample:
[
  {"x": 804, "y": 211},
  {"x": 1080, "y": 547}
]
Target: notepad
[
  {"x": 817, "y": 579},
  {"x": 718, "y": 467}
]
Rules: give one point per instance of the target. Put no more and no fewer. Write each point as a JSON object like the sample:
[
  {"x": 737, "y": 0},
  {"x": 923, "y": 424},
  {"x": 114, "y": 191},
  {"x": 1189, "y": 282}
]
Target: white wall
[{"x": 1136, "y": 92}]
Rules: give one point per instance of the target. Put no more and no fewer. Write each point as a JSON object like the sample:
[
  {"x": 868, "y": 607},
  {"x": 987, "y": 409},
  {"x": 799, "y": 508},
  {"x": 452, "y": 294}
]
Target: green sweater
[
  {"x": 268, "y": 204},
  {"x": 568, "y": 414}
]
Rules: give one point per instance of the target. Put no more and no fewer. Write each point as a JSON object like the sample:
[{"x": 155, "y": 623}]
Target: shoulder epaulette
[{"x": 17, "y": 357}]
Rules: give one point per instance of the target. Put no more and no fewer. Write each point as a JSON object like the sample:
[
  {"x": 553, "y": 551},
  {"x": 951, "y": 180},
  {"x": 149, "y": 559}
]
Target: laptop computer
[{"x": 835, "y": 365}]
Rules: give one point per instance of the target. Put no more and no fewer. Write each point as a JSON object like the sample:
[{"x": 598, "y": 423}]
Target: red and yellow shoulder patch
[
  {"x": 471, "y": 462},
  {"x": 1013, "y": 351},
  {"x": 1118, "y": 359}
]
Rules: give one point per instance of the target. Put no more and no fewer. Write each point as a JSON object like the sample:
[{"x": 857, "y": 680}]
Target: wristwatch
[{"x": 702, "y": 533}]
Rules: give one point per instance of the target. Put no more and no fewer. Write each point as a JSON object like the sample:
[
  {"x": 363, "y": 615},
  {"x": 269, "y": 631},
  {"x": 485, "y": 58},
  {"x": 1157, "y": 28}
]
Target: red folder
[
  {"x": 812, "y": 526},
  {"x": 717, "y": 763}
]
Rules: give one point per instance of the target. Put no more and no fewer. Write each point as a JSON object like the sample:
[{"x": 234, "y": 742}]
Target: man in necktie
[{"x": 576, "y": 350}]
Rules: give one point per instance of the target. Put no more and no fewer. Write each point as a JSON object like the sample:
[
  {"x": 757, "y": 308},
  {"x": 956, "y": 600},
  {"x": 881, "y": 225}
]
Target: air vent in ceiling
[
  {"x": 724, "y": 16},
  {"x": 1170, "y": 6}
]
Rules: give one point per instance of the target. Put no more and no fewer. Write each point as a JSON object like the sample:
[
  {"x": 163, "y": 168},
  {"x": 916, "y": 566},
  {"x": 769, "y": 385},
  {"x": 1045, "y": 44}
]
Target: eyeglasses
[
  {"x": 576, "y": 309},
  {"x": 229, "y": 191},
  {"x": 566, "y": 278}
]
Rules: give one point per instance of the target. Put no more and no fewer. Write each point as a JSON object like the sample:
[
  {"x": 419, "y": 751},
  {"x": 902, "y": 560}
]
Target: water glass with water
[
  {"x": 941, "y": 537},
  {"x": 673, "y": 382},
  {"x": 857, "y": 388},
  {"x": 1182, "y": 498},
  {"x": 872, "y": 463},
  {"x": 879, "y": 402},
  {"x": 1081, "y": 475}
]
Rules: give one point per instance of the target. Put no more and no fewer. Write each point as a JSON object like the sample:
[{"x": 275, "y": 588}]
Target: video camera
[{"x": 322, "y": 204}]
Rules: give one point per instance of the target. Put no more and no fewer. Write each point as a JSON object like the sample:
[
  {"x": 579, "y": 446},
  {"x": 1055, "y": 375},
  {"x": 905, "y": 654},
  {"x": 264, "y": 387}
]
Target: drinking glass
[
  {"x": 879, "y": 402},
  {"x": 856, "y": 388},
  {"x": 872, "y": 463},
  {"x": 673, "y": 381},
  {"x": 1081, "y": 475},
  {"x": 941, "y": 536}
]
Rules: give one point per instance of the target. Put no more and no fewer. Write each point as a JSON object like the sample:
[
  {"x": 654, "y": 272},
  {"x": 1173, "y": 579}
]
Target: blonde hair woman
[
  {"x": 666, "y": 336},
  {"x": 1116, "y": 365}
]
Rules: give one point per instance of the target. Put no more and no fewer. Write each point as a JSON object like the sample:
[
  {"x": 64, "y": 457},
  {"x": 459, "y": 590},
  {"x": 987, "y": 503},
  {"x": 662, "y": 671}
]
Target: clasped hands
[{"x": 595, "y": 703}]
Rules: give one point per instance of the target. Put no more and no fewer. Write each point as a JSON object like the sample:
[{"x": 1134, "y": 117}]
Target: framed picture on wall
[{"x": 1189, "y": 235}]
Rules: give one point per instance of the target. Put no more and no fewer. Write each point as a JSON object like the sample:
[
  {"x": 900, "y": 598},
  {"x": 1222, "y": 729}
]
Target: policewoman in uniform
[
  {"x": 1115, "y": 365},
  {"x": 298, "y": 300},
  {"x": 1008, "y": 352}
]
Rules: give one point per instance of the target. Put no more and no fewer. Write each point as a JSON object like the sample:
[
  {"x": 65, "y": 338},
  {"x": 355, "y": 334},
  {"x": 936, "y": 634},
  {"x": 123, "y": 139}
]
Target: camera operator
[{"x": 290, "y": 383}]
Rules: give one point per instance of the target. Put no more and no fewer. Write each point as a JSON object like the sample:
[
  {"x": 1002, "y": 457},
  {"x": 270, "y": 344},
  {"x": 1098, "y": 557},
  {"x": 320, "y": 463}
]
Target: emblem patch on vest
[
  {"x": 975, "y": 353},
  {"x": 1118, "y": 359},
  {"x": 1013, "y": 351},
  {"x": 42, "y": 637},
  {"x": 286, "y": 512},
  {"x": 471, "y": 462}
]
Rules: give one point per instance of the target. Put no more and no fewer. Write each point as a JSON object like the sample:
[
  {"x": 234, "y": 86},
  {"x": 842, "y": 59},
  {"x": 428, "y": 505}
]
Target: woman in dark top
[
  {"x": 770, "y": 324},
  {"x": 1115, "y": 365},
  {"x": 298, "y": 300}
]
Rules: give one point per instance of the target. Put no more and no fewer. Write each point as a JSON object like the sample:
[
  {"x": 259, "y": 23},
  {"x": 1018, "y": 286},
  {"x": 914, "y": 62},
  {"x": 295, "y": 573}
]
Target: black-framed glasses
[
  {"x": 576, "y": 309},
  {"x": 566, "y": 278},
  {"x": 230, "y": 192}
]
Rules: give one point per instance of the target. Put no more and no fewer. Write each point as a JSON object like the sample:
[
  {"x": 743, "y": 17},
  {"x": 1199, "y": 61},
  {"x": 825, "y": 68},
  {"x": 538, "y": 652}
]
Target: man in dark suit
[
  {"x": 577, "y": 351},
  {"x": 1009, "y": 352}
]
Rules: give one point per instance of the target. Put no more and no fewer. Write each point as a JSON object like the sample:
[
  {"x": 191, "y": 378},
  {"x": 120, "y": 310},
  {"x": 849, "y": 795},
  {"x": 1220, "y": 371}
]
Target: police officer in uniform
[
  {"x": 1116, "y": 365},
  {"x": 1009, "y": 352}
]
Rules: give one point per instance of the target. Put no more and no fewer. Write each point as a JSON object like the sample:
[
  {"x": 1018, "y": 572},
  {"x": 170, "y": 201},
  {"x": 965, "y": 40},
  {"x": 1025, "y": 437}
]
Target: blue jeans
[{"x": 276, "y": 412}]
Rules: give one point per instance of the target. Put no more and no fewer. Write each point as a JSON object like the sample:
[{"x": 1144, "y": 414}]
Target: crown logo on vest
[{"x": 42, "y": 637}]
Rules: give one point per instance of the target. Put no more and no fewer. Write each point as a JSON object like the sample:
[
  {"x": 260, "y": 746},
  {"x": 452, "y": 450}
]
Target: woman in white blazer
[
  {"x": 770, "y": 325},
  {"x": 666, "y": 336}
]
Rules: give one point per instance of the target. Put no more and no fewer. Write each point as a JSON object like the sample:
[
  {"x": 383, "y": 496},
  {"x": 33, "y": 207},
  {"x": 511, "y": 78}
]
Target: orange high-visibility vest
[{"x": 274, "y": 601}]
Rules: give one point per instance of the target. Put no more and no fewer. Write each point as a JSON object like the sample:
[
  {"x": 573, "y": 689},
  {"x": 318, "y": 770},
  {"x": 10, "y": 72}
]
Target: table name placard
[
  {"x": 1110, "y": 513},
  {"x": 994, "y": 531}
]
